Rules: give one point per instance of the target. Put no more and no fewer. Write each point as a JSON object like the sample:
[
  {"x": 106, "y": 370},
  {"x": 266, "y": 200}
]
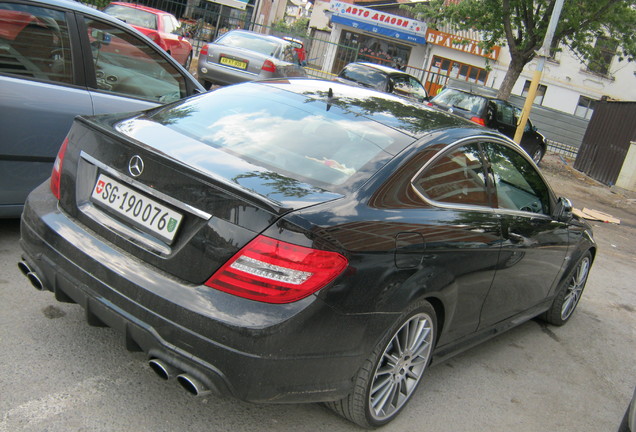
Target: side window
[
  {"x": 528, "y": 127},
  {"x": 519, "y": 186},
  {"x": 128, "y": 66},
  {"x": 457, "y": 177},
  {"x": 289, "y": 54},
  {"x": 505, "y": 114},
  {"x": 169, "y": 24},
  {"x": 34, "y": 43},
  {"x": 417, "y": 88}
]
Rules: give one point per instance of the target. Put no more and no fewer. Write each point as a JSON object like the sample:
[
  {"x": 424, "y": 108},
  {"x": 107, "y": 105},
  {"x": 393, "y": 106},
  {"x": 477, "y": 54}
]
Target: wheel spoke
[{"x": 379, "y": 403}]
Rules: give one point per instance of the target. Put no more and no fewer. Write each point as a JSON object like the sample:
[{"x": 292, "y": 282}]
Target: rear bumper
[
  {"x": 224, "y": 75},
  {"x": 253, "y": 351}
]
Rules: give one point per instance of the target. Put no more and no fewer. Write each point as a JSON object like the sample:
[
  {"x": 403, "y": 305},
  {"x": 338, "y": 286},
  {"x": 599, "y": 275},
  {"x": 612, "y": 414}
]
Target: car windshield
[
  {"x": 282, "y": 131},
  {"x": 249, "y": 41},
  {"x": 364, "y": 75},
  {"x": 133, "y": 16},
  {"x": 459, "y": 99}
]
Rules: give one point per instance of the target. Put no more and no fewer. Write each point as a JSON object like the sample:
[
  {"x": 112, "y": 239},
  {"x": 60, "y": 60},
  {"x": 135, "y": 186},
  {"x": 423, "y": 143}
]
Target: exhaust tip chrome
[
  {"x": 163, "y": 369},
  {"x": 35, "y": 281},
  {"x": 24, "y": 268},
  {"x": 192, "y": 385}
]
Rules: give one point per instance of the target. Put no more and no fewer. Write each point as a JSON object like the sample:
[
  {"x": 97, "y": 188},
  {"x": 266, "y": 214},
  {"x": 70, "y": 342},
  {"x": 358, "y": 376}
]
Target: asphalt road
[{"x": 59, "y": 374}]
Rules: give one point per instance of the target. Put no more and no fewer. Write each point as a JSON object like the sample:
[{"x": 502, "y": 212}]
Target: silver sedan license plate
[{"x": 136, "y": 207}]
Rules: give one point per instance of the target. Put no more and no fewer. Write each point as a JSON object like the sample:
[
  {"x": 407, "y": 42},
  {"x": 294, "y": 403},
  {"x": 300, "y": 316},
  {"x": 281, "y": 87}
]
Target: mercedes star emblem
[{"x": 136, "y": 166}]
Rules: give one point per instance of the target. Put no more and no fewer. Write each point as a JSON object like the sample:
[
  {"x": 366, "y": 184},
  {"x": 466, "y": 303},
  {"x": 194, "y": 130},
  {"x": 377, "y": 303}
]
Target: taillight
[
  {"x": 204, "y": 50},
  {"x": 429, "y": 104},
  {"x": 272, "y": 271},
  {"x": 268, "y": 66},
  {"x": 478, "y": 120},
  {"x": 57, "y": 169}
]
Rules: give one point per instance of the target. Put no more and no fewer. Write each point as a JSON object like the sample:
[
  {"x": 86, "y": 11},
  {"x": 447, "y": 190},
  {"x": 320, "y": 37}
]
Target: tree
[
  {"x": 522, "y": 25},
  {"x": 298, "y": 27}
]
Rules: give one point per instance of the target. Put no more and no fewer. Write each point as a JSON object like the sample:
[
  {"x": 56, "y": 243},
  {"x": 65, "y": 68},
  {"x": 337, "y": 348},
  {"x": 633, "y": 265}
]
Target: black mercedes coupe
[{"x": 302, "y": 241}]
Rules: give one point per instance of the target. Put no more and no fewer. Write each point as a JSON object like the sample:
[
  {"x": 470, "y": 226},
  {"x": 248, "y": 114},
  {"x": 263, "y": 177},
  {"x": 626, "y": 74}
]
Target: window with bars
[
  {"x": 602, "y": 60},
  {"x": 538, "y": 98},
  {"x": 585, "y": 108}
]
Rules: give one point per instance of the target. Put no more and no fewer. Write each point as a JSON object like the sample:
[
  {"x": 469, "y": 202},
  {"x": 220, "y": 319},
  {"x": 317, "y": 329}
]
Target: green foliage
[
  {"x": 522, "y": 24},
  {"x": 298, "y": 27},
  {"x": 99, "y": 4}
]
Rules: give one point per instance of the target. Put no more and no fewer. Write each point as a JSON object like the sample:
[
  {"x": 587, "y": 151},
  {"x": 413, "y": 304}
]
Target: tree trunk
[{"x": 512, "y": 74}]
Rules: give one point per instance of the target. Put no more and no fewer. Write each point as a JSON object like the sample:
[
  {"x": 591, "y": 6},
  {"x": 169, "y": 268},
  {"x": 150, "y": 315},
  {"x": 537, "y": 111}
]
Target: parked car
[
  {"x": 301, "y": 240},
  {"x": 493, "y": 113},
  {"x": 241, "y": 55},
  {"x": 50, "y": 71},
  {"x": 161, "y": 27},
  {"x": 384, "y": 79}
]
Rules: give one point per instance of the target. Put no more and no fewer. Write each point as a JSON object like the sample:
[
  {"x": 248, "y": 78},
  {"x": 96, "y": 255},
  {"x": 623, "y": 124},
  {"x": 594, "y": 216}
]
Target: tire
[
  {"x": 188, "y": 61},
  {"x": 570, "y": 292},
  {"x": 538, "y": 155},
  {"x": 389, "y": 377}
]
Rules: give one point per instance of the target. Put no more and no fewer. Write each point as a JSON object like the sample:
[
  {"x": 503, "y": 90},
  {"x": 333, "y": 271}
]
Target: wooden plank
[{"x": 599, "y": 215}]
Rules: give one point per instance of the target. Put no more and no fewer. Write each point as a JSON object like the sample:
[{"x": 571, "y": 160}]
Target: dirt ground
[{"x": 583, "y": 191}]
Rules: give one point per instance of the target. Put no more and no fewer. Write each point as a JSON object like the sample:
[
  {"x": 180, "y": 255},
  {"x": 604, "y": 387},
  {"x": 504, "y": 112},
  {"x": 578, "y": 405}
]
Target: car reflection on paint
[{"x": 302, "y": 241}]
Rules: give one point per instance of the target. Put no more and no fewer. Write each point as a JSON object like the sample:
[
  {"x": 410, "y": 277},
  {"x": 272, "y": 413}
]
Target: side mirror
[{"x": 563, "y": 210}]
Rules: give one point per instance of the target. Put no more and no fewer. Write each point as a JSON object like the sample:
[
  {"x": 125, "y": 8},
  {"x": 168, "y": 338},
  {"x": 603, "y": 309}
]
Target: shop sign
[
  {"x": 378, "y": 22},
  {"x": 461, "y": 44},
  {"x": 237, "y": 4}
]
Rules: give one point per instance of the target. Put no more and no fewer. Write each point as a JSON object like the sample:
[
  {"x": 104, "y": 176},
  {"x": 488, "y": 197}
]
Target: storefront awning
[{"x": 397, "y": 34}]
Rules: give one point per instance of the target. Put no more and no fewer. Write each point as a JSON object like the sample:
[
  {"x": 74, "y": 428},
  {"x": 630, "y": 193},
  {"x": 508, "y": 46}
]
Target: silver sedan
[{"x": 241, "y": 55}]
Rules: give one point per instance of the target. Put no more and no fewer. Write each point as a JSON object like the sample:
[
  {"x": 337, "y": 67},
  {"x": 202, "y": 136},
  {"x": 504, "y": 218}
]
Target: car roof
[
  {"x": 490, "y": 98},
  {"x": 262, "y": 36},
  {"x": 79, "y": 7},
  {"x": 381, "y": 68},
  {"x": 141, "y": 7}
]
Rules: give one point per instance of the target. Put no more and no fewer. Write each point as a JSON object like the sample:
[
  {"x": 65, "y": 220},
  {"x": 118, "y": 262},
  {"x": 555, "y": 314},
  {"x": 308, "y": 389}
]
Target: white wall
[{"x": 567, "y": 80}]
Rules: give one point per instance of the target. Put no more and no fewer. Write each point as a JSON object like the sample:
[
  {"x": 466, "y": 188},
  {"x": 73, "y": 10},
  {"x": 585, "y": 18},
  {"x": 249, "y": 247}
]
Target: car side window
[
  {"x": 518, "y": 184},
  {"x": 35, "y": 43},
  {"x": 528, "y": 127},
  {"x": 457, "y": 177},
  {"x": 128, "y": 66},
  {"x": 505, "y": 113},
  {"x": 417, "y": 88}
]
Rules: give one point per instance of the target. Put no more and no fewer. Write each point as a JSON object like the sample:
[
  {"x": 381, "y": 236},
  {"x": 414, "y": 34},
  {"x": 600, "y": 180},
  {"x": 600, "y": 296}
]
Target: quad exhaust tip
[
  {"x": 31, "y": 275},
  {"x": 192, "y": 385},
  {"x": 163, "y": 369}
]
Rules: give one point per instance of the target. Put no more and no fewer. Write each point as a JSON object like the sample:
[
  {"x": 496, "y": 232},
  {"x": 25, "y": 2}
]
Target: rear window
[
  {"x": 364, "y": 75},
  {"x": 457, "y": 99},
  {"x": 133, "y": 17},
  {"x": 282, "y": 131},
  {"x": 249, "y": 41}
]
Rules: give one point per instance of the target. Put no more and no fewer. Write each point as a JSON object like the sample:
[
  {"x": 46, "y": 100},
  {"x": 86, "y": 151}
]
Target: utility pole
[{"x": 543, "y": 53}]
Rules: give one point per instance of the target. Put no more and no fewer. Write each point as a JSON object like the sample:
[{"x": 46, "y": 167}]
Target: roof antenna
[{"x": 329, "y": 98}]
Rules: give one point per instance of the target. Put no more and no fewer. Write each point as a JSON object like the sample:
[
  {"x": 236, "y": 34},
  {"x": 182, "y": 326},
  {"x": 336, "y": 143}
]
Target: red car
[{"x": 161, "y": 27}]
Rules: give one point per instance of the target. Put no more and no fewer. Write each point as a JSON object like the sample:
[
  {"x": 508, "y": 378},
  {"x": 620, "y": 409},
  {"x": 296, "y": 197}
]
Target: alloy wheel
[
  {"x": 575, "y": 288},
  {"x": 401, "y": 366}
]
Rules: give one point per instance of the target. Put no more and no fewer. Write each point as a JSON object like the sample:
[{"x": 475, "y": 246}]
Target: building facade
[{"x": 361, "y": 31}]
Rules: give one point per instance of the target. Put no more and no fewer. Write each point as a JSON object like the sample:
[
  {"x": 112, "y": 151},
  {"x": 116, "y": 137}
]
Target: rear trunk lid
[{"x": 168, "y": 199}]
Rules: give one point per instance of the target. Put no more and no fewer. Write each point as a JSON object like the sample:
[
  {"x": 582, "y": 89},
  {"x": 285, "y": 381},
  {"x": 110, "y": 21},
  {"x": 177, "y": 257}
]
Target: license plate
[
  {"x": 234, "y": 63},
  {"x": 137, "y": 207}
]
